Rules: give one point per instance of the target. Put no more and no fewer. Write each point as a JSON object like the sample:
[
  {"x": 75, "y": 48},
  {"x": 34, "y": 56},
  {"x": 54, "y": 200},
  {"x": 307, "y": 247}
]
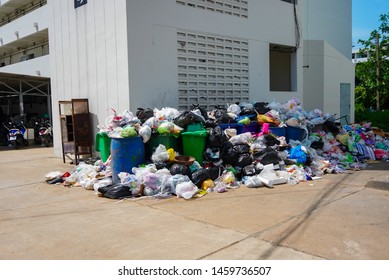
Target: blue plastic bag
[{"x": 298, "y": 154}]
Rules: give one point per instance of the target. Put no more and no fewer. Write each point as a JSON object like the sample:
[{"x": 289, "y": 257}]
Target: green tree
[{"x": 373, "y": 75}]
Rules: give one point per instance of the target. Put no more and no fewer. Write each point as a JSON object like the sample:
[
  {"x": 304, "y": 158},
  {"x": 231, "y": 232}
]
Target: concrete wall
[
  {"x": 329, "y": 20},
  {"x": 326, "y": 70},
  {"x": 152, "y": 29},
  {"x": 39, "y": 66},
  {"x": 25, "y": 25},
  {"x": 89, "y": 50}
]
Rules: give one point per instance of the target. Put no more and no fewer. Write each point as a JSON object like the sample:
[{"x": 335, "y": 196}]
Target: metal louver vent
[
  {"x": 228, "y": 7},
  {"x": 212, "y": 69}
]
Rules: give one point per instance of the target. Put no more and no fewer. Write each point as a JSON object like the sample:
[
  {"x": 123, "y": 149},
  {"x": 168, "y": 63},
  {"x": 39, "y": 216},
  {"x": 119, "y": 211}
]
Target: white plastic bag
[
  {"x": 160, "y": 154},
  {"x": 252, "y": 181},
  {"x": 186, "y": 190},
  {"x": 244, "y": 138},
  {"x": 145, "y": 133},
  {"x": 234, "y": 109}
]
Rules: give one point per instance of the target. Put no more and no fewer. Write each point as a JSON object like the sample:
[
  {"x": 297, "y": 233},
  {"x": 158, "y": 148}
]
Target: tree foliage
[{"x": 366, "y": 72}]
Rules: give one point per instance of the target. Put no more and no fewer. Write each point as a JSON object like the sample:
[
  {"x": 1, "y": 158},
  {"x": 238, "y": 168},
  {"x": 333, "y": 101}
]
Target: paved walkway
[{"x": 337, "y": 217}]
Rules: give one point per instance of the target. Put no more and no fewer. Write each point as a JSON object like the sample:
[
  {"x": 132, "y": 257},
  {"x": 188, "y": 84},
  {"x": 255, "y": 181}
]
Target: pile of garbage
[{"x": 251, "y": 145}]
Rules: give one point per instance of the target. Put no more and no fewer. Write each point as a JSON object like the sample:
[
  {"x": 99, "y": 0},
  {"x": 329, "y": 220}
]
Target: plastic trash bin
[
  {"x": 126, "y": 154},
  {"x": 278, "y": 131},
  {"x": 193, "y": 144},
  {"x": 253, "y": 127},
  {"x": 295, "y": 133},
  {"x": 169, "y": 141},
  {"x": 103, "y": 145}
]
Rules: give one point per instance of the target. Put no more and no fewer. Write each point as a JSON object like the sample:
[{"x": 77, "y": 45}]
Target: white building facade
[
  {"x": 24, "y": 58},
  {"x": 174, "y": 53}
]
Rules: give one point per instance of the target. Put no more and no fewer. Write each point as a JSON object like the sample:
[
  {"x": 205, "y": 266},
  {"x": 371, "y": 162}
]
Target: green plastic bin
[
  {"x": 103, "y": 145},
  {"x": 193, "y": 144},
  {"x": 168, "y": 141}
]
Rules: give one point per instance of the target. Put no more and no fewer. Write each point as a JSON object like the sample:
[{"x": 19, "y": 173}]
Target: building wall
[
  {"x": 329, "y": 20},
  {"x": 326, "y": 70},
  {"x": 90, "y": 57},
  {"x": 25, "y": 25},
  {"x": 39, "y": 66},
  {"x": 327, "y": 33},
  {"x": 124, "y": 54},
  {"x": 338, "y": 69},
  {"x": 152, "y": 40},
  {"x": 313, "y": 76}
]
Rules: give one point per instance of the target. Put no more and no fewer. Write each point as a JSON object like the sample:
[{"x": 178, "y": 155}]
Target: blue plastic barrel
[
  {"x": 126, "y": 153},
  {"x": 253, "y": 127},
  {"x": 295, "y": 133},
  {"x": 278, "y": 131}
]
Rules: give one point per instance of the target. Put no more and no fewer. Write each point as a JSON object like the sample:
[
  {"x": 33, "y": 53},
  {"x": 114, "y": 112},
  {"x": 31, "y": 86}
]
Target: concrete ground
[{"x": 341, "y": 216}]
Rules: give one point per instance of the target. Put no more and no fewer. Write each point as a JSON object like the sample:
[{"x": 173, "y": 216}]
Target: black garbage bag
[
  {"x": 229, "y": 154},
  {"x": 242, "y": 148},
  {"x": 180, "y": 169},
  {"x": 202, "y": 110},
  {"x": 200, "y": 175},
  {"x": 216, "y": 171},
  {"x": 221, "y": 116},
  {"x": 212, "y": 154},
  {"x": 329, "y": 126},
  {"x": 260, "y": 108},
  {"x": 144, "y": 114},
  {"x": 267, "y": 156},
  {"x": 116, "y": 191},
  {"x": 209, "y": 123},
  {"x": 249, "y": 170},
  {"x": 271, "y": 140},
  {"x": 244, "y": 160},
  {"x": 317, "y": 145},
  {"x": 186, "y": 118},
  {"x": 215, "y": 137}
]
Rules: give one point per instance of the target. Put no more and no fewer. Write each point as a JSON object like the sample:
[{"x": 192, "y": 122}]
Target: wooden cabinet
[{"x": 76, "y": 129}]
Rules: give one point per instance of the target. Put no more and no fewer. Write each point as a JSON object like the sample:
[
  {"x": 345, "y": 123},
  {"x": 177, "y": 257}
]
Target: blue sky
[{"x": 366, "y": 17}]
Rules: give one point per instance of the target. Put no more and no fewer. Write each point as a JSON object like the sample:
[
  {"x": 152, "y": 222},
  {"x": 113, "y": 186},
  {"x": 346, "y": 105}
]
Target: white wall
[
  {"x": 89, "y": 50},
  {"x": 329, "y": 20},
  {"x": 30, "y": 67},
  {"x": 338, "y": 69},
  {"x": 152, "y": 28},
  {"x": 327, "y": 70},
  {"x": 24, "y": 25}
]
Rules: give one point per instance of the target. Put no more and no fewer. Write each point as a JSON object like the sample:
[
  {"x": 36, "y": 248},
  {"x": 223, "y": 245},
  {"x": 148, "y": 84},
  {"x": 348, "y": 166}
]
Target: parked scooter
[
  {"x": 15, "y": 134},
  {"x": 46, "y": 134}
]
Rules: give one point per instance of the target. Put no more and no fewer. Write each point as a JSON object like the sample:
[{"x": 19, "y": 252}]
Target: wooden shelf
[{"x": 75, "y": 128}]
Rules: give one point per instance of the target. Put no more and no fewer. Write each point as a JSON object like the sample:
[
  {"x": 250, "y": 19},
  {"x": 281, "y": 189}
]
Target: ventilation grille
[
  {"x": 228, "y": 7},
  {"x": 212, "y": 70}
]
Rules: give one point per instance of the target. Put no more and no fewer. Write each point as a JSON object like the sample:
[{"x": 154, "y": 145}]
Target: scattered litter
[{"x": 252, "y": 145}]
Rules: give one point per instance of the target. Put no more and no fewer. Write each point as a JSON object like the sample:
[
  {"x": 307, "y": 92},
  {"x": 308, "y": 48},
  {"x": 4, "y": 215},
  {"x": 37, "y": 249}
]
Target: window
[
  {"x": 282, "y": 68},
  {"x": 229, "y": 7},
  {"x": 212, "y": 69}
]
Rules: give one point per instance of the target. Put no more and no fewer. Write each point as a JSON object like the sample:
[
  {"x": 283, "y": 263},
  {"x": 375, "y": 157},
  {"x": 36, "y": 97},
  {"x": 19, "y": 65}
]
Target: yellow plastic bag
[{"x": 172, "y": 154}]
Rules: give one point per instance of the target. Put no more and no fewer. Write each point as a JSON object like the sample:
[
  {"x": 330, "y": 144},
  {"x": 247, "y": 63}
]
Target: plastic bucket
[
  {"x": 194, "y": 127},
  {"x": 168, "y": 141},
  {"x": 252, "y": 127},
  {"x": 193, "y": 144},
  {"x": 278, "y": 131},
  {"x": 295, "y": 133},
  {"x": 126, "y": 154},
  {"x": 224, "y": 126},
  {"x": 103, "y": 145}
]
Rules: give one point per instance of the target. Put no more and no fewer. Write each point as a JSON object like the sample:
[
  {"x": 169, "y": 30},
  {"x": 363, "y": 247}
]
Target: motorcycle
[
  {"x": 46, "y": 134},
  {"x": 15, "y": 135}
]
